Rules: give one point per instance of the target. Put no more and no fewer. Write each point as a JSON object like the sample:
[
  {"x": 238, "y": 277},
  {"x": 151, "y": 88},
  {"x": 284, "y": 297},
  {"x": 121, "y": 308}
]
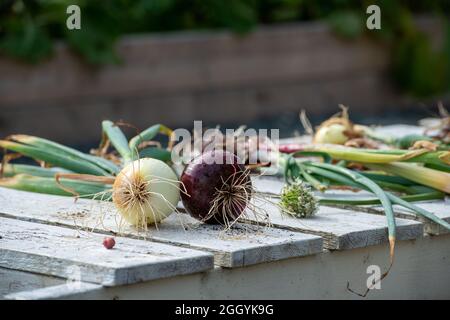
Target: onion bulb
[
  {"x": 337, "y": 130},
  {"x": 334, "y": 133},
  {"x": 218, "y": 188},
  {"x": 146, "y": 191}
]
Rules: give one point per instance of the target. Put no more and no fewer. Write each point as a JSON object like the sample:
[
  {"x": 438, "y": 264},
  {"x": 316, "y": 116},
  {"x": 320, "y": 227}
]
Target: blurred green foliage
[{"x": 29, "y": 28}]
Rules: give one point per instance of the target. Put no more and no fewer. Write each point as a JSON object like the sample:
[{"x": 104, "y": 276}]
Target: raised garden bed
[
  {"x": 47, "y": 237},
  {"x": 337, "y": 247},
  {"x": 175, "y": 79}
]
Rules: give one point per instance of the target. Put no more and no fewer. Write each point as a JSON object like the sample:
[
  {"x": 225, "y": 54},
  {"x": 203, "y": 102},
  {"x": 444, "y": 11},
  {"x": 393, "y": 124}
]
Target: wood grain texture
[
  {"x": 420, "y": 271},
  {"x": 241, "y": 246},
  {"x": 341, "y": 229},
  {"x": 68, "y": 253}
]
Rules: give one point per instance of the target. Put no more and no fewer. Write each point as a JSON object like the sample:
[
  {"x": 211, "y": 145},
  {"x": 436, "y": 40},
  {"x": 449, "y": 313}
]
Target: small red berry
[{"x": 109, "y": 243}]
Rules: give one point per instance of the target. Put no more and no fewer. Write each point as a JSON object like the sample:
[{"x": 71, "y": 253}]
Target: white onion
[
  {"x": 333, "y": 133},
  {"x": 146, "y": 191}
]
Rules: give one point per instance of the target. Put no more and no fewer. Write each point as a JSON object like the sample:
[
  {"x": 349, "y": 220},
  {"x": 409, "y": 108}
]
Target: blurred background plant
[{"x": 29, "y": 28}]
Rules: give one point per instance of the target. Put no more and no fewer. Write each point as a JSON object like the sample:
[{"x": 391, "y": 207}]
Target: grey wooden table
[{"x": 51, "y": 248}]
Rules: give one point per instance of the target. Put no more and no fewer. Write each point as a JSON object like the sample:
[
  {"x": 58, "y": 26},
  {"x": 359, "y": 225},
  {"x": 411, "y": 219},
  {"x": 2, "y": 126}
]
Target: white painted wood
[
  {"x": 399, "y": 130},
  {"x": 55, "y": 292},
  {"x": 440, "y": 208},
  {"x": 241, "y": 246},
  {"x": 67, "y": 253},
  {"x": 345, "y": 229},
  {"x": 420, "y": 271},
  {"x": 12, "y": 281},
  {"x": 341, "y": 229}
]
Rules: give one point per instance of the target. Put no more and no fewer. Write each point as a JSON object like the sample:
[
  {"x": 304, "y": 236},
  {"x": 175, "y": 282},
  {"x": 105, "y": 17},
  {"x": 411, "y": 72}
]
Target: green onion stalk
[
  {"x": 406, "y": 179},
  {"x": 140, "y": 183},
  {"x": 66, "y": 171}
]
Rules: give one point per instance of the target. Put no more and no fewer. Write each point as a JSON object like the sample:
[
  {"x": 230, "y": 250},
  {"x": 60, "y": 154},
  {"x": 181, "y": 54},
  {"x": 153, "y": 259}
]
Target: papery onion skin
[
  {"x": 146, "y": 191},
  {"x": 202, "y": 179}
]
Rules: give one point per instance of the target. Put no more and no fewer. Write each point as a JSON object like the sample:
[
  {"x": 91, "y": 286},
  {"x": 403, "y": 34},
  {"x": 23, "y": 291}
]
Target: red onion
[{"x": 218, "y": 187}]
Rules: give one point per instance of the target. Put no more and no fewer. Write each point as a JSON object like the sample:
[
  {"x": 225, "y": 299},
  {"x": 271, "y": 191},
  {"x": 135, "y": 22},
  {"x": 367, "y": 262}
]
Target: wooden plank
[
  {"x": 194, "y": 61},
  {"x": 68, "y": 253},
  {"x": 341, "y": 229},
  {"x": 420, "y": 271},
  {"x": 399, "y": 130},
  {"x": 440, "y": 208},
  {"x": 243, "y": 245},
  {"x": 12, "y": 281},
  {"x": 197, "y": 60},
  {"x": 61, "y": 291}
]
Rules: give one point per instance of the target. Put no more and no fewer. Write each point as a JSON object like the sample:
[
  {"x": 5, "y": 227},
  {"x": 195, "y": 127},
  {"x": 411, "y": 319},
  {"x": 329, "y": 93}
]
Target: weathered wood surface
[
  {"x": 420, "y": 271},
  {"x": 399, "y": 130},
  {"x": 56, "y": 292},
  {"x": 341, "y": 229},
  {"x": 440, "y": 208},
  {"x": 235, "y": 248},
  {"x": 71, "y": 254},
  {"x": 12, "y": 281}
]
